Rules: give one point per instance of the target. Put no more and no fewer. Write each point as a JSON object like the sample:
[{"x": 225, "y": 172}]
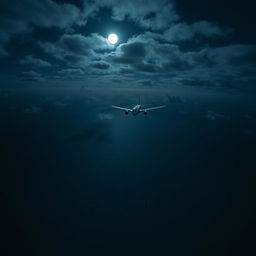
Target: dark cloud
[
  {"x": 20, "y": 17},
  {"x": 77, "y": 44},
  {"x": 125, "y": 70},
  {"x": 115, "y": 80},
  {"x": 235, "y": 54},
  {"x": 243, "y": 55},
  {"x": 71, "y": 71},
  {"x": 147, "y": 67},
  {"x": 135, "y": 55},
  {"x": 35, "y": 62},
  {"x": 76, "y": 48},
  {"x": 100, "y": 65},
  {"x": 72, "y": 59},
  {"x": 147, "y": 55},
  {"x": 30, "y": 76},
  {"x": 129, "y": 53},
  {"x": 196, "y": 81},
  {"x": 148, "y": 82},
  {"x": 154, "y": 14},
  {"x": 194, "y": 32},
  {"x": 204, "y": 66},
  {"x": 186, "y": 53},
  {"x": 133, "y": 50}
]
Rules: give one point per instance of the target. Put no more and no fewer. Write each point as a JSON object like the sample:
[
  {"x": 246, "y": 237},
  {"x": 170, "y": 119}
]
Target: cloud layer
[{"x": 165, "y": 50}]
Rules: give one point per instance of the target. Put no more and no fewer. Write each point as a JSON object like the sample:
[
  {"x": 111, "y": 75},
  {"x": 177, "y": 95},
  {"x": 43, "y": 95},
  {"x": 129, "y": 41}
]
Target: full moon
[{"x": 113, "y": 38}]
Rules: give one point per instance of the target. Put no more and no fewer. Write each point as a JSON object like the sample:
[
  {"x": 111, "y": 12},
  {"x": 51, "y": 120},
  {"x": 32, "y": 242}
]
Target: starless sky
[{"x": 161, "y": 42}]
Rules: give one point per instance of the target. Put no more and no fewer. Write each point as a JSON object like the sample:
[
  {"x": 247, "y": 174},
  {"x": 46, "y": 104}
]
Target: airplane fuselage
[{"x": 136, "y": 110}]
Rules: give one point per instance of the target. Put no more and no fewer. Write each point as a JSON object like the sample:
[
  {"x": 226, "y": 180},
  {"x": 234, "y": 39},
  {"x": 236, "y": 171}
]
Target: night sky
[{"x": 81, "y": 178}]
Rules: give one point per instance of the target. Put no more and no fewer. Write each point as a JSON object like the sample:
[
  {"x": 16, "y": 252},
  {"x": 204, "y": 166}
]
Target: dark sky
[{"x": 80, "y": 178}]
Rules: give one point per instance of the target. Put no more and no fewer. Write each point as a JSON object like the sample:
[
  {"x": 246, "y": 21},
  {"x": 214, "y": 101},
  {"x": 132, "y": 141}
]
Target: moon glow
[{"x": 113, "y": 38}]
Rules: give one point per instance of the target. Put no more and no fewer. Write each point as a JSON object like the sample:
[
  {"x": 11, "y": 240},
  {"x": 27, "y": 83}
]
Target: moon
[{"x": 113, "y": 38}]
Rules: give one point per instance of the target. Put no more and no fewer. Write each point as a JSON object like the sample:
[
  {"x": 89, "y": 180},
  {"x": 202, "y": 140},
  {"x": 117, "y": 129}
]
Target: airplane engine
[
  {"x": 126, "y": 112},
  {"x": 145, "y": 112}
]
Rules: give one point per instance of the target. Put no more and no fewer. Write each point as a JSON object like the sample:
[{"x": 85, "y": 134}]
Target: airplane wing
[
  {"x": 148, "y": 109},
  {"x": 121, "y": 108}
]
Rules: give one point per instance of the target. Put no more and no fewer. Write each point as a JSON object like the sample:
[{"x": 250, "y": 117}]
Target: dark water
[{"x": 79, "y": 178}]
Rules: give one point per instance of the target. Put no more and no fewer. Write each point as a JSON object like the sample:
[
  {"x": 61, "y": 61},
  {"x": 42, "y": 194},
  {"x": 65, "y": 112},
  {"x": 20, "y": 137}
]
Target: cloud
[
  {"x": 79, "y": 44},
  {"x": 21, "y": 16},
  {"x": 179, "y": 50},
  {"x": 225, "y": 66},
  {"x": 144, "y": 54},
  {"x": 147, "y": 82},
  {"x": 100, "y": 65},
  {"x": 129, "y": 53},
  {"x": 236, "y": 54},
  {"x": 76, "y": 49},
  {"x": 239, "y": 54},
  {"x": 154, "y": 14},
  {"x": 196, "y": 31},
  {"x": 35, "y": 62},
  {"x": 71, "y": 72},
  {"x": 30, "y": 76},
  {"x": 196, "y": 81},
  {"x": 116, "y": 80}
]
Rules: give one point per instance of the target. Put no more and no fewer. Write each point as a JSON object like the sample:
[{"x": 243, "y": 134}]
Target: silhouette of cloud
[
  {"x": 100, "y": 65},
  {"x": 196, "y": 31},
  {"x": 148, "y": 82},
  {"x": 22, "y": 16},
  {"x": 30, "y": 76},
  {"x": 154, "y": 14},
  {"x": 35, "y": 62},
  {"x": 76, "y": 48}
]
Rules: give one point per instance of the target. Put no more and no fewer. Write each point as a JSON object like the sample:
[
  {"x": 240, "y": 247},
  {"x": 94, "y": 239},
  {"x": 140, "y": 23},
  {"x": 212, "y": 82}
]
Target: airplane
[{"x": 137, "y": 109}]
